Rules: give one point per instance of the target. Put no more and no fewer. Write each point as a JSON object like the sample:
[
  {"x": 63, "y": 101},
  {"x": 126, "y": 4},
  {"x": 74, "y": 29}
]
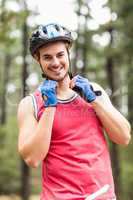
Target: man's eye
[
  {"x": 46, "y": 58},
  {"x": 61, "y": 55}
]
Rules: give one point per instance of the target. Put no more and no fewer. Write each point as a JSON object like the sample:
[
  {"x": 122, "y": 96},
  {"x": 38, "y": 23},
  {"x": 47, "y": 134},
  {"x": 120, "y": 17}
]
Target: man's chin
[{"x": 58, "y": 78}]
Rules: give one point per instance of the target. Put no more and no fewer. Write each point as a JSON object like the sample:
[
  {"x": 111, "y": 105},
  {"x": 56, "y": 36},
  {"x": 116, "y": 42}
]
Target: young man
[{"x": 65, "y": 131}]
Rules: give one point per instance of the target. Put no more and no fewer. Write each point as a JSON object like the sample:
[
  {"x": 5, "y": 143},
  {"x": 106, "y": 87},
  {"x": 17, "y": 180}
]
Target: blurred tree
[
  {"x": 7, "y": 42},
  {"x": 125, "y": 27},
  {"x": 83, "y": 42},
  {"x": 113, "y": 77},
  {"x": 25, "y": 176},
  {"x": 25, "y": 170},
  {"x": 7, "y": 64}
]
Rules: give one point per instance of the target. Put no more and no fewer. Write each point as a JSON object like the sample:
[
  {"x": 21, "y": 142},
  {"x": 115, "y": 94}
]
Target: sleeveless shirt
[{"x": 78, "y": 161}]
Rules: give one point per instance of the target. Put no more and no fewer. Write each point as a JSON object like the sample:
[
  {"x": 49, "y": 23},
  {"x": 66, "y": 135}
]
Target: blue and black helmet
[{"x": 49, "y": 33}]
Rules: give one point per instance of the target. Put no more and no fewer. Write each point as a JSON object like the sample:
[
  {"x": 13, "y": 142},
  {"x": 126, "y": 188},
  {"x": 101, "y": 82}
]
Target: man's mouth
[{"x": 56, "y": 70}]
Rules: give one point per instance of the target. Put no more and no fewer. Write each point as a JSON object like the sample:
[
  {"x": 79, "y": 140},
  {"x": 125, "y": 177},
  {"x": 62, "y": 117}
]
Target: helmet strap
[
  {"x": 43, "y": 74},
  {"x": 70, "y": 68}
]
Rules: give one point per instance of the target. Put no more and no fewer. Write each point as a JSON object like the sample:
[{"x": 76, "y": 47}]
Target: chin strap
[
  {"x": 70, "y": 67},
  {"x": 43, "y": 75}
]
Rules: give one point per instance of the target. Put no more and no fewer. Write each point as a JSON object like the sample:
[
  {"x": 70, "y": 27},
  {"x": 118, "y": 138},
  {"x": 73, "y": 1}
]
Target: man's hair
[{"x": 37, "y": 53}]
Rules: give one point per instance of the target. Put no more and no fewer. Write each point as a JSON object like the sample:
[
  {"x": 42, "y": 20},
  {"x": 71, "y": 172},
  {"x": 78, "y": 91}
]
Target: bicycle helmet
[{"x": 49, "y": 33}]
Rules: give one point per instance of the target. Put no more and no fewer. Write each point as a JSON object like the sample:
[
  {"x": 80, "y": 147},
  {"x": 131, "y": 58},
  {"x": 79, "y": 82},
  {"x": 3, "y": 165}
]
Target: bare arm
[
  {"x": 114, "y": 123},
  {"x": 34, "y": 137}
]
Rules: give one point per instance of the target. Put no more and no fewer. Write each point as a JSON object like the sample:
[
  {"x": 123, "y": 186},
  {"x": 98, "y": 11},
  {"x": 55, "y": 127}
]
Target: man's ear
[{"x": 36, "y": 57}]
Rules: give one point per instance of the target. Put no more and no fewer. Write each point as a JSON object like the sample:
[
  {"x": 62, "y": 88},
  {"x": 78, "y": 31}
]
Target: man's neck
[{"x": 63, "y": 90}]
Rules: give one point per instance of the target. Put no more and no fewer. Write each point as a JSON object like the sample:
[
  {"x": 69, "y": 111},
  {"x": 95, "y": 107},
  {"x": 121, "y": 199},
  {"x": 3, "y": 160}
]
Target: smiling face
[{"x": 54, "y": 60}]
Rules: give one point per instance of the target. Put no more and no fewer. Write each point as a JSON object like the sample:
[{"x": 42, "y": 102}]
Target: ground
[{"x": 12, "y": 197}]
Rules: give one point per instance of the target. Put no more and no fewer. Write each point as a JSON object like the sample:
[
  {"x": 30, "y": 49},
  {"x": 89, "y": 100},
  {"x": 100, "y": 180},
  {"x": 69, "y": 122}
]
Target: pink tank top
[{"x": 78, "y": 161}]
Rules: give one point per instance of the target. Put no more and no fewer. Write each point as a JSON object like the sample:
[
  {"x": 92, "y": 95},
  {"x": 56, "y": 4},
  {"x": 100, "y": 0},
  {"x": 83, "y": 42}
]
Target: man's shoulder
[
  {"x": 26, "y": 101},
  {"x": 25, "y": 105}
]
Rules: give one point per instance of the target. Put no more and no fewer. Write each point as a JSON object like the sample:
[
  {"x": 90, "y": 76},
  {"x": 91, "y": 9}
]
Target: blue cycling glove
[
  {"x": 48, "y": 91},
  {"x": 83, "y": 84}
]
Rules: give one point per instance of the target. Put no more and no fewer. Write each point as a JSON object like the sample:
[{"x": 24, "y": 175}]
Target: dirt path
[{"x": 13, "y": 197}]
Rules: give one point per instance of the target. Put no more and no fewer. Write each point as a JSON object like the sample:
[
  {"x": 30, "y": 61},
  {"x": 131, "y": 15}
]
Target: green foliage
[
  {"x": 9, "y": 159},
  {"x": 10, "y": 169},
  {"x": 10, "y": 43}
]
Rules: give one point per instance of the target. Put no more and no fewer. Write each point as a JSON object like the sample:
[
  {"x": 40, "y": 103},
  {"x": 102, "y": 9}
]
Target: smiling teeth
[
  {"x": 55, "y": 70},
  {"x": 58, "y": 70}
]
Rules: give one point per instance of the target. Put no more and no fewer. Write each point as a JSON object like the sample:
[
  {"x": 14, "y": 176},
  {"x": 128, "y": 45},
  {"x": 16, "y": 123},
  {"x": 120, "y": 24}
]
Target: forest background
[{"x": 102, "y": 52}]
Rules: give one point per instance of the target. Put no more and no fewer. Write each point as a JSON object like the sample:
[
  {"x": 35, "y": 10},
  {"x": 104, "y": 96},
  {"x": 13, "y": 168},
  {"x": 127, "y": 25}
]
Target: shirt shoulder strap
[{"x": 37, "y": 104}]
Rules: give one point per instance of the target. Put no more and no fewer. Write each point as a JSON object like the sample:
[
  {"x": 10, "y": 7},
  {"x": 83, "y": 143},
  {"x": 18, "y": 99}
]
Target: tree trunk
[
  {"x": 130, "y": 118},
  {"x": 75, "y": 70},
  {"x": 2, "y": 14},
  {"x": 5, "y": 82},
  {"x": 25, "y": 176},
  {"x": 113, "y": 77},
  {"x": 85, "y": 48},
  {"x": 130, "y": 94},
  {"x": 7, "y": 62}
]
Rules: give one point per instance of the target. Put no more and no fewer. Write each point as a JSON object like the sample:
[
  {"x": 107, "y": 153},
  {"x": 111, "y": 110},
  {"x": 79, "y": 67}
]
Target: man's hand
[
  {"x": 83, "y": 85},
  {"x": 48, "y": 91}
]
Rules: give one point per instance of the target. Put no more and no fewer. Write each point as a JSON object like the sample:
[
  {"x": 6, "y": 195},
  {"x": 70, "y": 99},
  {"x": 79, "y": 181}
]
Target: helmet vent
[
  {"x": 45, "y": 30},
  {"x": 49, "y": 33},
  {"x": 57, "y": 27}
]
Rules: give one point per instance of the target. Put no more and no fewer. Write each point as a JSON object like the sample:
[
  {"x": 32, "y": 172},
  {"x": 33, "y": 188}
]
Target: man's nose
[{"x": 55, "y": 61}]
